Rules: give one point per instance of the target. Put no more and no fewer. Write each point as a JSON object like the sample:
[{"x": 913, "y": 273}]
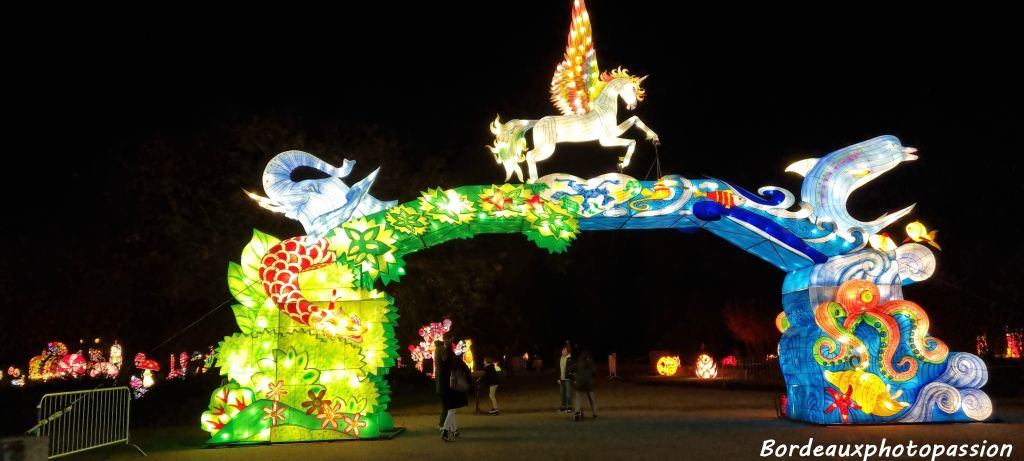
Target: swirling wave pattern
[
  {"x": 975, "y": 404},
  {"x": 864, "y": 265},
  {"x": 964, "y": 370},
  {"x": 916, "y": 262},
  {"x": 933, "y": 395}
]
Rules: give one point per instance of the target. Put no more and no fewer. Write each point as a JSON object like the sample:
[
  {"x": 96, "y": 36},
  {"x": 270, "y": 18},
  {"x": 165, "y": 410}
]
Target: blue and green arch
[{"x": 816, "y": 243}]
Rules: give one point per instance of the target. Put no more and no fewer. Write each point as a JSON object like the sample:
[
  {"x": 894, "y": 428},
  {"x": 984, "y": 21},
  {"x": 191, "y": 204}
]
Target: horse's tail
[{"x": 510, "y": 144}]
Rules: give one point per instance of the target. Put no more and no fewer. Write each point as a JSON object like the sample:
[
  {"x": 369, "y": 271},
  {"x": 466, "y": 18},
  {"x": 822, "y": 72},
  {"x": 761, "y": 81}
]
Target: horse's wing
[{"x": 577, "y": 80}]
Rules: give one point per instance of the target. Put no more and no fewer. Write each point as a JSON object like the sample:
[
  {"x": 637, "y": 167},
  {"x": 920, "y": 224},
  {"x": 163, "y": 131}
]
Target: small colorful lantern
[
  {"x": 172, "y": 369},
  {"x": 425, "y": 349},
  {"x": 138, "y": 386},
  {"x": 668, "y": 365},
  {"x": 115, "y": 354},
  {"x": 72, "y": 365},
  {"x": 96, "y": 355},
  {"x": 148, "y": 366},
  {"x": 729, "y": 361},
  {"x": 103, "y": 370},
  {"x": 464, "y": 349},
  {"x": 17, "y": 380},
  {"x": 706, "y": 368},
  {"x": 46, "y": 365},
  {"x": 1013, "y": 343},
  {"x": 211, "y": 358}
]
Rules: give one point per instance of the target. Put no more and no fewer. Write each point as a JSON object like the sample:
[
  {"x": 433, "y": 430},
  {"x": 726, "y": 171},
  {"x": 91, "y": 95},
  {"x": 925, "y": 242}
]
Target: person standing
[
  {"x": 565, "y": 378},
  {"x": 584, "y": 385},
  {"x": 451, "y": 398},
  {"x": 491, "y": 380},
  {"x": 438, "y": 347}
]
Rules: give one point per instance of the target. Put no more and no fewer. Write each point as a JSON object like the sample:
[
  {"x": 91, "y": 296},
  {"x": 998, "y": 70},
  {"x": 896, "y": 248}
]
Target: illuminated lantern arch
[
  {"x": 848, "y": 334},
  {"x": 317, "y": 335}
]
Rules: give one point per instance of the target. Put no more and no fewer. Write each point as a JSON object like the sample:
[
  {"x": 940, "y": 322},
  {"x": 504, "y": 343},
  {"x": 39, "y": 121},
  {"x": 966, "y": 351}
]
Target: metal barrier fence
[
  {"x": 760, "y": 369},
  {"x": 83, "y": 420}
]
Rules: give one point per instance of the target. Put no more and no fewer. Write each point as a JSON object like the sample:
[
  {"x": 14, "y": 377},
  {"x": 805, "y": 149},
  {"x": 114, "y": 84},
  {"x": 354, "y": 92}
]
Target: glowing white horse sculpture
[{"x": 588, "y": 101}]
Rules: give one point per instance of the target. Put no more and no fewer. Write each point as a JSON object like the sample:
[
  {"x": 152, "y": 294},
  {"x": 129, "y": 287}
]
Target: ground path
[{"x": 638, "y": 420}]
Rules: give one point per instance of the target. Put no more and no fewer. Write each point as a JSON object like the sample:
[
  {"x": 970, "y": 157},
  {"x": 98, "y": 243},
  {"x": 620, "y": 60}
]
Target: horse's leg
[
  {"x": 531, "y": 167},
  {"x": 509, "y": 168},
  {"x": 539, "y": 153},
  {"x": 543, "y": 146},
  {"x": 634, "y": 120},
  {"x": 628, "y": 143}
]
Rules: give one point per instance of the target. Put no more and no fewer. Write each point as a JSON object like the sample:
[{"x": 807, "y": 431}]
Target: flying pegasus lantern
[{"x": 588, "y": 100}]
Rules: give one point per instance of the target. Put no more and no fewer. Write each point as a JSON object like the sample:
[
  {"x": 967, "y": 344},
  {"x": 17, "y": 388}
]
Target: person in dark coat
[
  {"x": 491, "y": 380},
  {"x": 566, "y": 366},
  {"x": 438, "y": 347},
  {"x": 584, "y": 385},
  {"x": 451, "y": 399}
]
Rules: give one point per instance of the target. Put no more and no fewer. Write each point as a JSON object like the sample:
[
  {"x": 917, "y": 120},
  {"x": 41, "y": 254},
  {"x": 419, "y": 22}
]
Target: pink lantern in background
[
  {"x": 72, "y": 365},
  {"x": 17, "y": 380},
  {"x": 138, "y": 387},
  {"x": 435, "y": 331},
  {"x": 103, "y": 370}
]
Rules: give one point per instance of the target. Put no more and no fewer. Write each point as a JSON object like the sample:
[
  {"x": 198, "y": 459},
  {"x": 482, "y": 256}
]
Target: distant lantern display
[
  {"x": 706, "y": 368},
  {"x": 431, "y": 333},
  {"x": 1013, "y": 344},
  {"x": 668, "y": 365},
  {"x": 464, "y": 349}
]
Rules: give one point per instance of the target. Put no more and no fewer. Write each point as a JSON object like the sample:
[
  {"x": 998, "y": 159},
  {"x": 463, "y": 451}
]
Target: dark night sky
[{"x": 733, "y": 94}]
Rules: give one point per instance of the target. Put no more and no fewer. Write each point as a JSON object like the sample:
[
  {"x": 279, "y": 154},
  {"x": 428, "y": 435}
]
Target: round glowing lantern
[
  {"x": 668, "y": 365},
  {"x": 706, "y": 368},
  {"x": 72, "y": 365}
]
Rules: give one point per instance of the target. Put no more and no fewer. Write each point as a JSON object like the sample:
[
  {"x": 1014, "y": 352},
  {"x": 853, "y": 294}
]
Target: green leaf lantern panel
[
  {"x": 315, "y": 338},
  {"x": 293, "y": 381},
  {"x": 313, "y": 347}
]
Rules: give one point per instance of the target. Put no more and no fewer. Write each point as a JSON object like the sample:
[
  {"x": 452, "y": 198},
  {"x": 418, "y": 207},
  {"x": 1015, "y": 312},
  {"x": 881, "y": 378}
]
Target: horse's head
[{"x": 628, "y": 86}]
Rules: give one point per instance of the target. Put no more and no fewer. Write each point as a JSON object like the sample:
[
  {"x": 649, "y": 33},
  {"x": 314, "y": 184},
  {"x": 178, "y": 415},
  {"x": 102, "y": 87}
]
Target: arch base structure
[{"x": 316, "y": 336}]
